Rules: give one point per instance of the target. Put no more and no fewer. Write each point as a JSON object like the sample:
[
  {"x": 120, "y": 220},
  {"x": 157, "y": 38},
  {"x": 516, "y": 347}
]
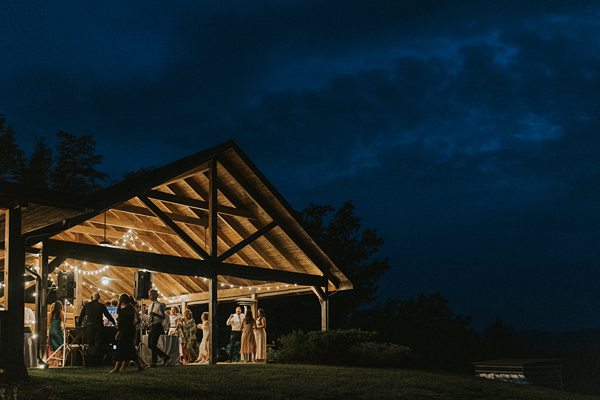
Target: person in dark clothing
[
  {"x": 157, "y": 314},
  {"x": 92, "y": 312},
  {"x": 127, "y": 321}
]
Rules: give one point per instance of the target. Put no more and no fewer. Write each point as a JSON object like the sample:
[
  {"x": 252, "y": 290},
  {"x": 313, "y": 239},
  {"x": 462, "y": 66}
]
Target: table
[
  {"x": 30, "y": 350},
  {"x": 167, "y": 343}
]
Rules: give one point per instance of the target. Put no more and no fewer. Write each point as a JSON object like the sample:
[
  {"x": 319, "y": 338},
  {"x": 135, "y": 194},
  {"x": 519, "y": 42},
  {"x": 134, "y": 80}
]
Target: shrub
[
  {"x": 374, "y": 354},
  {"x": 341, "y": 347}
]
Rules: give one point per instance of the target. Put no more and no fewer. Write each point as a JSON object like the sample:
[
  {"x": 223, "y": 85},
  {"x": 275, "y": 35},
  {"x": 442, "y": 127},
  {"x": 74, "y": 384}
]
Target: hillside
[{"x": 271, "y": 381}]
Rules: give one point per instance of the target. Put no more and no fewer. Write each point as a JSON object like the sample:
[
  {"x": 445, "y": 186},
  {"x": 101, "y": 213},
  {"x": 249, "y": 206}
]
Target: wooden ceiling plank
[
  {"x": 198, "y": 204},
  {"x": 247, "y": 241},
  {"x": 137, "y": 210},
  {"x": 272, "y": 239},
  {"x": 171, "y": 224},
  {"x": 232, "y": 222}
]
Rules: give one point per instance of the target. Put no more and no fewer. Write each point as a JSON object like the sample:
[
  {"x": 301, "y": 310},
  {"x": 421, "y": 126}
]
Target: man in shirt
[
  {"x": 92, "y": 313},
  {"x": 29, "y": 320},
  {"x": 235, "y": 321},
  {"x": 156, "y": 315}
]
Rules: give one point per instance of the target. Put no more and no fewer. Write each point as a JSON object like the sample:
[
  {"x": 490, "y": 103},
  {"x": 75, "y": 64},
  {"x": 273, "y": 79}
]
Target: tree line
[{"x": 72, "y": 166}]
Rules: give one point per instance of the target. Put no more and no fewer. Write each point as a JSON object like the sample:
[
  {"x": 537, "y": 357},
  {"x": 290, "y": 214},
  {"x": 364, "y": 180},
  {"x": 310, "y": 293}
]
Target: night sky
[{"x": 467, "y": 133}]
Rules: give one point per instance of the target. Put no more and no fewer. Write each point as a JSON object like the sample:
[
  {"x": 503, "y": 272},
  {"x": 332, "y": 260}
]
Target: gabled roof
[{"x": 248, "y": 204}]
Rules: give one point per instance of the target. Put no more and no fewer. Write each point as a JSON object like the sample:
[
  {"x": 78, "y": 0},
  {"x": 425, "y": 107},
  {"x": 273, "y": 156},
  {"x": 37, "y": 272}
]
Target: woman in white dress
[
  {"x": 174, "y": 318},
  {"x": 203, "y": 350},
  {"x": 260, "y": 333}
]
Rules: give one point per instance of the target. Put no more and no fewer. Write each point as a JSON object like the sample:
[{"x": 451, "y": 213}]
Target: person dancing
[
  {"x": 127, "y": 320},
  {"x": 248, "y": 347},
  {"x": 235, "y": 321},
  {"x": 156, "y": 314},
  {"x": 204, "y": 349},
  {"x": 187, "y": 329}
]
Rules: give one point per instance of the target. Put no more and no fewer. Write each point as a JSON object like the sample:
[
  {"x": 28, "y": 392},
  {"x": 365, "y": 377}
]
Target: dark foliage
[
  {"x": 12, "y": 158},
  {"x": 353, "y": 249},
  {"x": 39, "y": 166},
  {"x": 76, "y": 162},
  {"x": 500, "y": 340},
  {"x": 137, "y": 172},
  {"x": 341, "y": 347},
  {"x": 426, "y": 325}
]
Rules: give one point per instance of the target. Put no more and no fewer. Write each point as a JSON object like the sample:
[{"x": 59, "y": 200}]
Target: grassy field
[{"x": 270, "y": 381}]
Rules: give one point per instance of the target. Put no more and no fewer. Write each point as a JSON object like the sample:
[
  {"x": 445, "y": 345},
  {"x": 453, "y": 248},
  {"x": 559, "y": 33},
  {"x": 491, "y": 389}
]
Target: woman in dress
[
  {"x": 187, "y": 333},
  {"x": 204, "y": 349},
  {"x": 174, "y": 317},
  {"x": 55, "y": 332},
  {"x": 260, "y": 333},
  {"x": 248, "y": 347},
  {"x": 126, "y": 321}
]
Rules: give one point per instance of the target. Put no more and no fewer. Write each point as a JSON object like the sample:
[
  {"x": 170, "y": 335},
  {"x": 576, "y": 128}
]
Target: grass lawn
[{"x": 269, "y": 381}]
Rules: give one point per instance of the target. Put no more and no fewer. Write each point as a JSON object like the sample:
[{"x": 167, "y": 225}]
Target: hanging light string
[
  {"x": 131, "y": 239},
  {"x": 100, "y": 289}
]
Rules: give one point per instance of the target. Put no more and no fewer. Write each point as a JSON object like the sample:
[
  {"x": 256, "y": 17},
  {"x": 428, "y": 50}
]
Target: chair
[{"x": 76, "y": 346}]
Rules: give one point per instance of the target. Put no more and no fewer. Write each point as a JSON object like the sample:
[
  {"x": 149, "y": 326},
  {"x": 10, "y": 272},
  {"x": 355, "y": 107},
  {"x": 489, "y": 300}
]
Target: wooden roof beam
[
  {"x": 174, "y": 265},
  {"x": 198, "y": 204},
  {"x": 235, "y": 293},
  {"x": 184, "y": 236},
  {"x": 287, "y": 229},
  {"x": 232, "y": 250},
  {"x": 137, "y": 210},
  {"x": 233, "y": 224}
]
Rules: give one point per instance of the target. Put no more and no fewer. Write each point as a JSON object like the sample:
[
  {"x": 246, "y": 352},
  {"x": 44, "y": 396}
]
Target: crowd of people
[{"x": 129, "y": 320}]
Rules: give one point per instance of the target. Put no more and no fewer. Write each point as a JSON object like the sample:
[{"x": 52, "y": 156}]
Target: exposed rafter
[
  {"x": 165, "y": 219},
  {"x": 173, "y": 264},
  {"x": 197, "y": 204}
]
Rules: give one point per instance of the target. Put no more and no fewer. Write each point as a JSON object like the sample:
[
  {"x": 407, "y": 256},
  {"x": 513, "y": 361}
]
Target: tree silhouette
[
  {"x": 353, "y": 249},
  {"x": 12, "y": 159},
  {"x": 39, "y": 166},
  {"x": 75, "y": 169}
]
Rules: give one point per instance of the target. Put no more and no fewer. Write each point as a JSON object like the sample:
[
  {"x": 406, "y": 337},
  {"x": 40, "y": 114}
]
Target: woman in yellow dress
[{"x": 248, "y": 347}]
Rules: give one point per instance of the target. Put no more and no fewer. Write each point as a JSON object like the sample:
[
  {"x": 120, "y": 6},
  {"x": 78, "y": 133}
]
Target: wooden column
[
  {"x": 78, "y": 301},
  {"x": 254, "y": 306},
  {"x": 324, "y": 314},
  {"x": 323, "y": 297},
  {"x": 214, "y": 277},
  {"x": 42, "y": 298},
  {"x": 14, "y": 294}
]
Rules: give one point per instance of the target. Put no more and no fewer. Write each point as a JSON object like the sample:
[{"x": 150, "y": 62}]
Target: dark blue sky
[{"x": 466, "y": 133}]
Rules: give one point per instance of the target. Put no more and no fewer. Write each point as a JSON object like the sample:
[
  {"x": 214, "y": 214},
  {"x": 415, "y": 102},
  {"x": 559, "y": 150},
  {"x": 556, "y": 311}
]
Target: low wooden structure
[
  {"x": 209, "y": 225},
  {"x": 538, "y": 372}
]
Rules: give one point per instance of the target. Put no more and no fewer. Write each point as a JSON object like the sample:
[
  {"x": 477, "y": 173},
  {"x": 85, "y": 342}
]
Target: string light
[
  {"x": 130, "y": 239},
  {"x": 100, "y": 289},
  {"x": 85, "y": 272}
]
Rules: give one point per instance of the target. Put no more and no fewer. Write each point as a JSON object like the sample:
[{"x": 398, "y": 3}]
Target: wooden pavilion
[{"x": 210, "y": 226}]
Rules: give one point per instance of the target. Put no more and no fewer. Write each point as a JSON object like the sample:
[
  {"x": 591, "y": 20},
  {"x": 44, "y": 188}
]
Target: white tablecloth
[
  {"x": 167, "y": 343},
  {"x": 30, "y": 351}
]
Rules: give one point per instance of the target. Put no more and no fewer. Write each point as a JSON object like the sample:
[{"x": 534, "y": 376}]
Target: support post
[
  {"x": 14, "y": 294},
  {"x": 324, "y": 314},
  {"x": 212, "y": 290},
  {"x": 78, "y": 302},
  {"x": 42, "y": 311},
  {"x": 254, "y": 306}
]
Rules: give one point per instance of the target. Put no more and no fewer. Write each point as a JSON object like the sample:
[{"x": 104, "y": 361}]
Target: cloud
[{"x": 465, "y": 132}]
